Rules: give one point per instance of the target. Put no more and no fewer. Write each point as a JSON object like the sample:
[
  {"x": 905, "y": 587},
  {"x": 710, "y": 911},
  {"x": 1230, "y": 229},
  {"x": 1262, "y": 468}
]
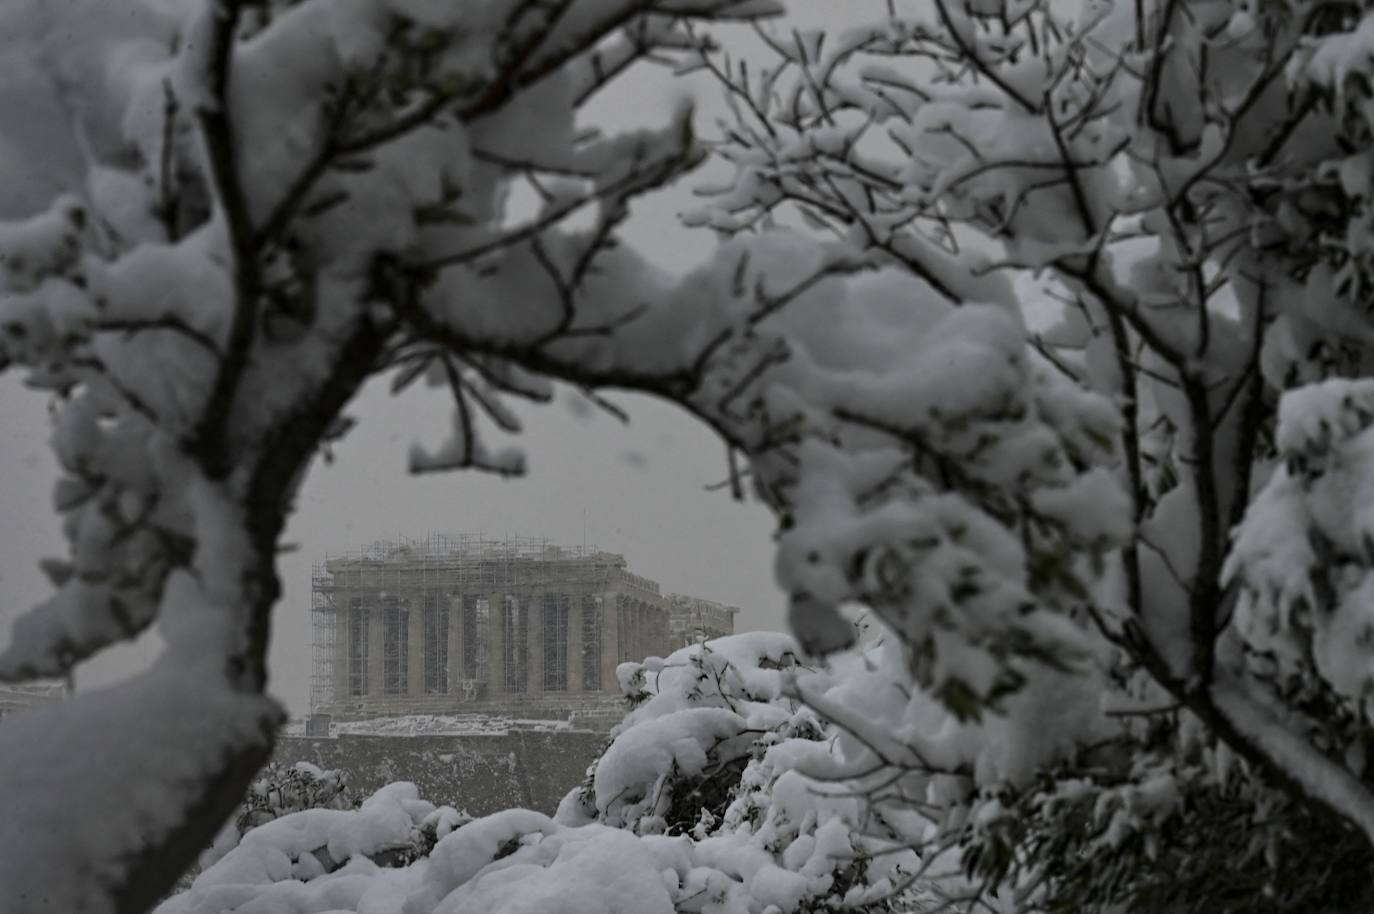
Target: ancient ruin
[
  {"x": 693, "y": 619},
  {"x": 510, "y": 626}
]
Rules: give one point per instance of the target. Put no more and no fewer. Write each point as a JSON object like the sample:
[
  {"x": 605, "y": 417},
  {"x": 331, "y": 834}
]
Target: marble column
[
  {"x": 574, "y": 642},
  {"x": 534, "y": 645},
  {"x": 415, "y": 646}
]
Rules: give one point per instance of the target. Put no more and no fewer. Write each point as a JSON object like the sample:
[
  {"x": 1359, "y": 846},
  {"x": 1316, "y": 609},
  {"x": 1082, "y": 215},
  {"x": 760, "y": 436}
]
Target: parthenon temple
[{"x": 462, "y": 622}]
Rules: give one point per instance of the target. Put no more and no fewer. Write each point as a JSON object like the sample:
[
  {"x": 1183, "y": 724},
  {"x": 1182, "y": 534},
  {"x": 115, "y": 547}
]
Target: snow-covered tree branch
[
  {"x": 1175, "y": 190},
  {"x": 279, "y": 200}
]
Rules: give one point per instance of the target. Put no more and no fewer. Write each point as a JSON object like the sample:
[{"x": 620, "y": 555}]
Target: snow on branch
[{"x": 221, "y": 285}]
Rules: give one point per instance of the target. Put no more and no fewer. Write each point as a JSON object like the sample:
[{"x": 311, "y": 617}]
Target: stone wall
[{"x": 482, "y": 773}]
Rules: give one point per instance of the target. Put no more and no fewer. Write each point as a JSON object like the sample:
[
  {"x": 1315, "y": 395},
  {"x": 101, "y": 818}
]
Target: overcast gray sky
[{"x": 638, "y": 490}]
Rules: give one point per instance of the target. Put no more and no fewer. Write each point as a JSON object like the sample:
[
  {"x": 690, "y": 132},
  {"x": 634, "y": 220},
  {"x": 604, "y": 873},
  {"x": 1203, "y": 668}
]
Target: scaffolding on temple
[
  {"x": 476, "y": 616},
  {"x": 399, "y": 621},
  {"x": 555, "y": 642},
  {"x": 324, "y": 640}
]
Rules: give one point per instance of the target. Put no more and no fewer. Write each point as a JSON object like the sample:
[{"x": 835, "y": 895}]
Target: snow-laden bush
[
  {"x": 279, "y": 790},
  {"x": 698, "y": 804},
  {"x": 283, "y": 789}
]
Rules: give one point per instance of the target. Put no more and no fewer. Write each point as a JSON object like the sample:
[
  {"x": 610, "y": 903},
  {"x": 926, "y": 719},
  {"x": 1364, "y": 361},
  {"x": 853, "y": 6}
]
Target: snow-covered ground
[{"x": 433, "y": 725}]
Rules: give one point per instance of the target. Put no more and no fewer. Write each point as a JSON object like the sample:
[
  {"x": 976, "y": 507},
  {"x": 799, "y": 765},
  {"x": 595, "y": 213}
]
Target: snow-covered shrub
[
  {"x": 279, "y": 791},
  {"x": 697, "y": 805},
  {"x": 267, "y": 869},
  {"x": 692, "y": 723},
  {"x": 1172, "y": 836},
  {"x": 282, "y": 789}
]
